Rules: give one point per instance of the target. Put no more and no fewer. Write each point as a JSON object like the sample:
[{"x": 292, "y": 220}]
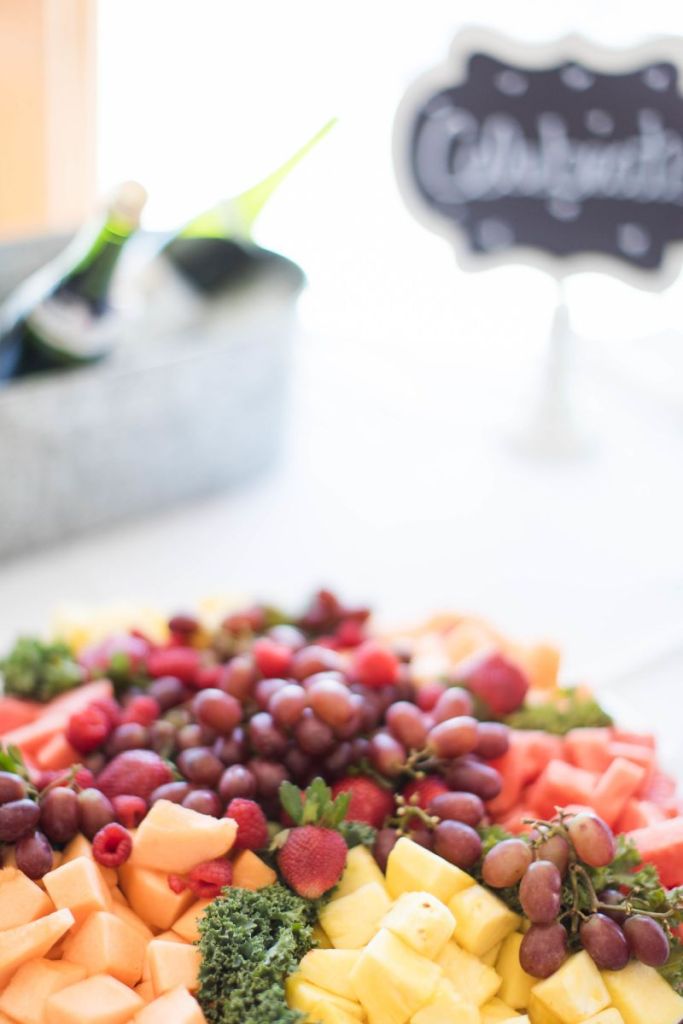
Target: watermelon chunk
[
  {"x": 15, "y": 713},
  {"x": 662, "y": 845},
  {"x": 619, "y": 783},
  {"x": 588, "y": 748},
  {"x": 561, "y": 784}
]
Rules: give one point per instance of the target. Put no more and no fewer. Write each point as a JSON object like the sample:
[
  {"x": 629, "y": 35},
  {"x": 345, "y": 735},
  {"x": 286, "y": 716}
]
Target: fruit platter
[{"x": 251, "y": 816}]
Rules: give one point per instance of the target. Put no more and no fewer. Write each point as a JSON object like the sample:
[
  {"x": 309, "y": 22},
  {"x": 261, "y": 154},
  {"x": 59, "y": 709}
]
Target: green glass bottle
[{"x": 62, "y": 316}]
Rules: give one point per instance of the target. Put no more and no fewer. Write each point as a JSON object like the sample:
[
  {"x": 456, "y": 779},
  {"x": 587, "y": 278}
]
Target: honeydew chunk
[
  {"x": 481, "y": 919},
  {"x": 361, "y": 868},
  {"x": 491, "y": 955},
  {"x": 172, "y": 964},
  {"x": 174, "y": 1007},
  {"x": 576, "y": 991},
  {"x": 392, "y": 981},
  {"x": 21, "y": 900},
  {"x": 412, "y": 868},
  {"x": 31, "y": 941},
  {"x": 446, "y": 1005},
  {"x": 78, "y": 886},
  {"x": 96, "y": 1000},
  {"x": 33, "y": 983},
  {"x": 350, "y": 922},
  {"x": 151, "y": 898},
  {"x": 422, "y": 921},
  {"x": 187, "y": 925},
  {"x": 642, "y": 996},
  {"x": 302, "y": 995},
  {"x": 173, "y": 838},
  {"x": 474, "y": 980},
  {"x": 331, "y": 969},
  {"x": 104, "y": 944},
  {"x": 517, "y": 984},
  {"x": 610, "y": 1016},
  {"x": 496, "y": 1011},
  {"x": 329, "y": 1013}
]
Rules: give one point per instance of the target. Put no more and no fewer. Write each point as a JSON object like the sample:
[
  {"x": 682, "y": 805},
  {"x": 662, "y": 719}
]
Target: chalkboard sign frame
[{"x": 531, "y": 56}]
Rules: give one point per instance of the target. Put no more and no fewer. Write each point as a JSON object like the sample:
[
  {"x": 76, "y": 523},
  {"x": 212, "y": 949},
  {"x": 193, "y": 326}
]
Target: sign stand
[{"x": 553, "y": 428}]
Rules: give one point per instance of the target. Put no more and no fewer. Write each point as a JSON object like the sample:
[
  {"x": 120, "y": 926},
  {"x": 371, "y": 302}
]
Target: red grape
[
  {"x": 232, "y": 749},
  {"x": 593, "y": 839},
  {"x": 386, "y": 754},
  {"x": 604, "y": 942},
  {"x": 12, "y": 787},
  {"x": 162, "y": 738},
  {"x": 266, "y": 688},
  {"x": 129, "y": 736},
  {"x": 168, "y": 691},
  {"x": 200, "y": 765},
  {"x": 539, "y": 892},
  {"x": 33, "y": 855},
  {"x": 453, "y": 737},
  {"x": 17, "y": 818},
  {"x": 314, "y": 736},
  {"x": 204, "y": 801},
  {"x": 555, "y": 849},
  {"x": 471, "y": 775},
  {"x": 543, "y": 949},
  {"x": 173, "y": 791},
  {"x": 647, "y": 940},
  {"x": 493, "y": 740},
  {"x": 269, "y": 776},
  {"x": 236, "y": 781},
  {"x": 457, "y": 843},
  {"x": 615, "y": 900},
  {"x": 385, "y": 841},
  {"x": 331, "y": 701},
  {"x": 95, "y": 811},
  {"x": 59, "y": 814},
  {"x": 218, "y": 710},
  {"x": 406, "y": 722},
  {"x": 452, "y": 703},
  {"x": 466, "y": 807},
  {"x": 287, "y": 705},
  {"x": 264, "y": 736},
  {"x": 313, "y": 659},
  {"x": 506, "y": 863},
  {"x": 239, "y": 677}
]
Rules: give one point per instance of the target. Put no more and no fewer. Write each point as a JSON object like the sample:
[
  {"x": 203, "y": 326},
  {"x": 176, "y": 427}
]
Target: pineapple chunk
[
  {"x": 321, "y": 938},
  {"x": 361, "y": 868},
  {"x": 496, "y": 1012},
  {"x": 642, "y": 996},
  {"x": 517, "y": 984},
  {"x": 330, "y": 969},
  {"x": 303, "y": 996},
  {"x": 610, "y": 1016},
  {"x": 328, "y": 1013},
  {"x": 474, "y": 980},
  {"x": 422, "y": 921},
  {"x": 446, "y": 1005},
  {"x": 392, "y": 981},
  {"x": 577, "y": 991},
  {"x": 481, "y": 919},
  {"x": 539, "y": 1012},
  {"x": 491, "y": 955},
  {"x": 351, "y": 921},
  {"x": 412, "y": 868}
]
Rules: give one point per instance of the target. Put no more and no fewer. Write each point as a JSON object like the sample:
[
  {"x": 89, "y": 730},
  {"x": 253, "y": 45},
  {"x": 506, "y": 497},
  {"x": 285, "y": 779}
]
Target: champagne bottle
[
  {"x": 215, "y": 250},
  {"x": 62, "y": 316}
]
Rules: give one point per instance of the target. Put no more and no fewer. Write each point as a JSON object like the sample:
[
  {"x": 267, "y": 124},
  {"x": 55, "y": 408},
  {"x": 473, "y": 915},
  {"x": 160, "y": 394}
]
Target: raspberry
[
  {"x": 252, "y": 827},
  {"x": 177, "y": 884},
  {"x": 112, "y": 845},
  {"x": 142, "y": 709},
  {"x": 88, "y": 729},
  {"x": 375, "y": 665},
  {"x": 207, "y": 879},
  {"x": 181, "y": 662},
  {"x": 84, "y": 778},
  {"x": 130, "y": 810},
  {"x": 273, "y": 660}
]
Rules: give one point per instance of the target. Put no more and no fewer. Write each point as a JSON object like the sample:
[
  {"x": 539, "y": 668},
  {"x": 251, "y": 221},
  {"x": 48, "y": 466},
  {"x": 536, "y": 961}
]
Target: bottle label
[{"x": 70, "y": 329}]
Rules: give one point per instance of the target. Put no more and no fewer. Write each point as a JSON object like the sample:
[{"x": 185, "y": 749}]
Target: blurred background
[{"x": 395, "y": 472}]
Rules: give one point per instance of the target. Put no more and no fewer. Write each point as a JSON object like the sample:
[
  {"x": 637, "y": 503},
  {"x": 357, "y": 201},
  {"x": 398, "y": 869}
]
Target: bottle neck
[{"x": 90, "y": 279}]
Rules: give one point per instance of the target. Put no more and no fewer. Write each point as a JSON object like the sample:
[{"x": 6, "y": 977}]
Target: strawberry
[
  {"x": 88, "y": 729},
  {"x": 252, "y": 826},
  {"x": 142, "y": 709},
  {"x": 312, "y": 854},
  {"x": 181, "y": 662},
  {"x": 312, "y": 860},
  {"x": 499, "y": 683},
  {"x": 273, "y": 660},
  {"x": 375, "y": 665},
  {"x": 130, "y": 810},
  {"x": 134, "y": 773},
  {"x": 369, "y": 801},
  {"x": 422, "y": 791}
]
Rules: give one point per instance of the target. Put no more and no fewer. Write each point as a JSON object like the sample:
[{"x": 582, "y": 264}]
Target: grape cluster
[{"x": 554, "y": 881}]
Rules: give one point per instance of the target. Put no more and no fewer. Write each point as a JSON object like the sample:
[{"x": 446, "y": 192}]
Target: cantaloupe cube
[
  {"x": 391, "y": 980},
  {"x": 610, "y": 1016},
  {"x": 481, "y": 919},
  {"x": 104, "y": 944},
  {"x": 575, "y": 991},
  {"x": 145, "y": 989},
  {"x": 361, "y": 868},
  {"x": 475, "y": 981},
  {"x": 250, "y": 872},
  {"x": 129, "y": 917},
  {"x": 96, "y": 1000},
  {"x": 172, "y": 838},
  {"x": 31, "y": 941},
  {"x": 187, "y": 925},
  {"x": 497, "y": 1012},
  {"x": 412, "y": 868},
  {"x": 446, "y": 1005},
  {"x": 78, "y": 886},
  {"x": 162, "y": 937},
  {"x": 33, "y": 983},
  {"x": 331, "y": 969},
  {"x": 172, "y": 964},
  {"x": 642, "y": 996},
  {"x": 517, "y": 984},
  {"x": 350, "y": 922},
  {"x": 118, "y": 897},
  {"x": 82, "y": 847},
  {"x": 21, "y": 900},
  {"x": 422, "y": 921},
  {"x": 151, "y": 898},
  {"x": 303, "y": 996},
  {"x": 174, "y": 1007}
]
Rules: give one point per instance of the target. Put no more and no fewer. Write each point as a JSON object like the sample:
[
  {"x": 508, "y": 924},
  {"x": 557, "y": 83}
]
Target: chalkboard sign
[{"x": 568, "y": 156}]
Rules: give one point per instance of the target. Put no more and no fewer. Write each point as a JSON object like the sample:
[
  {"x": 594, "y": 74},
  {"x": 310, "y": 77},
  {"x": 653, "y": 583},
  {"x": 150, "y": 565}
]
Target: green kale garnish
[
  {"x": 250, "y": 942},
  {"x": 568, "y": 710},
  {"x": 40, "y": 671},
  {"x": 357, "y": 833}
]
